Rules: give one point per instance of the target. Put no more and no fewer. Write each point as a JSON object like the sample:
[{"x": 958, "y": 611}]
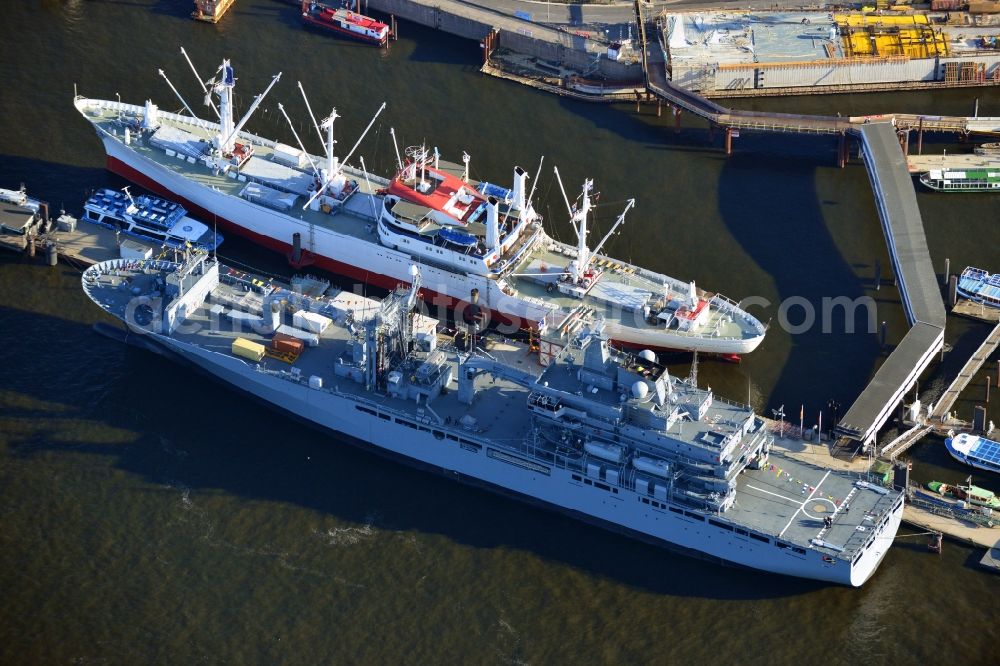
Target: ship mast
[
  {"x": 582, "y": 252},
  {"x": 224, "y": 89},
  {"x": 226, "y": 139},
  {"x": 335, "y": 165},
  {"x": 331, "y": 160},
  {"x": 578, "y": 217}
]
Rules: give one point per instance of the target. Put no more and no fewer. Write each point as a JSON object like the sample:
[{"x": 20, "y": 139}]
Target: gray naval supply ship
[{"x": 607, "y": 437}]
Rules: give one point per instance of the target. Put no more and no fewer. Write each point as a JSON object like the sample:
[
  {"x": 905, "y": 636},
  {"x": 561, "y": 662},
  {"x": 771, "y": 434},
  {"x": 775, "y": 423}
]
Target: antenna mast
[{"x": 331, "y": 160}]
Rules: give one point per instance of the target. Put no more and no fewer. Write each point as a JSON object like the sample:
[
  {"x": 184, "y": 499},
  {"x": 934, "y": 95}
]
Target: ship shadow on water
[
  {"x": 175, "y": 430},
  {"x": 778, "y": 220},
  {"x": 61, "y": 185}
]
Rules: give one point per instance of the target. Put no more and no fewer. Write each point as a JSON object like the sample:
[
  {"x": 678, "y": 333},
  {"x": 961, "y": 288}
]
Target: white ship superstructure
[
  {"x": 601, "y": 435},
  {"x": 475, "y": 248}
]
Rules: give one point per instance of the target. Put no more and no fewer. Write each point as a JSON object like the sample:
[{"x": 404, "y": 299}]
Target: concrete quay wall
[
  {"x": 570, "y": 50},
  {"x": 435, "y": 15}
]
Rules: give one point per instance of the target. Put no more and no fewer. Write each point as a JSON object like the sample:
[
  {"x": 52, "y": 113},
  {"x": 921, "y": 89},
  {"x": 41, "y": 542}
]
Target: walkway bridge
[{"x": 902, "y": 225}]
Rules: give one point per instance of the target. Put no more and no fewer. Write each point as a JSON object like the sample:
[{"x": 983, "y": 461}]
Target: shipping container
[
  {"x": 947, "y": 5},
  {"x": 310, "y": 339},
  {"x": 287, "y": 344},
  {"x": 984, "y": 7},
  {"x": 311, "y": 321},
  {"x": 248, "y": 349}
]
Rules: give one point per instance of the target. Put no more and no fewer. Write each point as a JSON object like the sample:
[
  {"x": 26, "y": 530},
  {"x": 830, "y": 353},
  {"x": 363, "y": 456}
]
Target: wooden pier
[
  {"x": 960, "y": 530},
  {"x": 924, "y": 163},
  {"x": 86, "y": 245},
  {"x": 972, "y": 310}
]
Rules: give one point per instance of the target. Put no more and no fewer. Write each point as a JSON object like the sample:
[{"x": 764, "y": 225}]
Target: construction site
[{"x": 741, "y": 54}]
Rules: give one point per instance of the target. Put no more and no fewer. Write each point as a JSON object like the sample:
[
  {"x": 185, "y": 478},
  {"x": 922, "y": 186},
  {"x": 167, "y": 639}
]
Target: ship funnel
[
  {"x": 151, "y": 118},
  {"x": 492, "y": 224},
  {"x": 275, "y": 315},
  {"x": 693, "y": 294},
  {"x": 518, "y": 190}
]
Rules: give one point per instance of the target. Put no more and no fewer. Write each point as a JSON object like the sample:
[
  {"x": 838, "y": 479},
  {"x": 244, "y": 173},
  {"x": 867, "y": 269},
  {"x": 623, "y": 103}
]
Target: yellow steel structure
[{"x": 872, "y": 36}]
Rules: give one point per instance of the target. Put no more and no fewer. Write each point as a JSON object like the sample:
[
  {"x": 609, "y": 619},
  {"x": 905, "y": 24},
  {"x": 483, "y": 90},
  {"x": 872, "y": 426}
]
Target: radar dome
[
  {"x": 640, "y": 390},
  {"x": 414, "y": 270},
  {"x": 648, "y": 356}
]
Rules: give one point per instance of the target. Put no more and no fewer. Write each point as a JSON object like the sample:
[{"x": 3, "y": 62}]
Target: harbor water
[{"x": 148, "y": 515}]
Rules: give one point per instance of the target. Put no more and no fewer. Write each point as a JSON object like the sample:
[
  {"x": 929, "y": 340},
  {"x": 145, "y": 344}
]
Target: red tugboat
[{"x": 345, "y": 22}]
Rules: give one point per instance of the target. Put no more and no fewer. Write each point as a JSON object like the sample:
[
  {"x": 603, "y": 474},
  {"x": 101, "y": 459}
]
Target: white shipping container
[
  {"x": 288, "y": 155},
  {"x": 130, "y": 249},
  {"x": 361, "y": 307},
  {"x": 311, "y": 321},
  {"x": 310, "y": 339}
]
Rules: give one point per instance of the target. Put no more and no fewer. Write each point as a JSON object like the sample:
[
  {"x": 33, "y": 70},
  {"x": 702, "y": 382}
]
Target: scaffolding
[{"x": 866, "y": 36}]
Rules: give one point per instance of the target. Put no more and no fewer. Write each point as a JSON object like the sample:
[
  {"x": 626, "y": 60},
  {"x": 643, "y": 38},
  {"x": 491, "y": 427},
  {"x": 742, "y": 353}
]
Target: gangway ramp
[
  {"x": 896, "y": 202},
  {"x": 898, "y": 373},
  {"x": 969, "y": 370}
]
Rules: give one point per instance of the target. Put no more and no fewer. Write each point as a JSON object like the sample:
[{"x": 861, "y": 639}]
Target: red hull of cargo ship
[{"x": 456, "y": 306}]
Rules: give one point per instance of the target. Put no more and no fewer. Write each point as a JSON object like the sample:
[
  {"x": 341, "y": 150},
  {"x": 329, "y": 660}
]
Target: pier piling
[
  {"x": 947, "y": 270},
  {"x": 51, "y": 253},
  {"x": 729, "y": 141},
  {"x": 31, "y": 246},
  {"x": 952, "y": 290},
  {"x": 978, "y": 418}
]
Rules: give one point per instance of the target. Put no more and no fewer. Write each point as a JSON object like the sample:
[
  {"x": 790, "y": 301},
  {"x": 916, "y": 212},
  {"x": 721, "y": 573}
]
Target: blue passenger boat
[
  {"x": 976, "y": 451},
  {"x": 980, "y": 286},
  {"x": 149, "y": 218}
]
